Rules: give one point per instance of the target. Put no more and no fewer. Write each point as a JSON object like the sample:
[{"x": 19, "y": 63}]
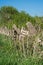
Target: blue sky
[{"x": 33, "y": 7}]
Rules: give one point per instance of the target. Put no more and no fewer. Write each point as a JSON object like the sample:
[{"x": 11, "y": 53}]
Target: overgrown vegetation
[
  {"x": 15, "y": 52},
  {"x": 10, "y": 16},
  {"x": 9, "y": 55}
]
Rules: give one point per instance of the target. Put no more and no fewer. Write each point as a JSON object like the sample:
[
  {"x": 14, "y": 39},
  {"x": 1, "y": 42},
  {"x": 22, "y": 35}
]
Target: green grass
[{"x": 10, "y": 56}]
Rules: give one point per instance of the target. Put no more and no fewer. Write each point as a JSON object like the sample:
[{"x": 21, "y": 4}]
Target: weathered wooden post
[{"x": 27, "y": 45}]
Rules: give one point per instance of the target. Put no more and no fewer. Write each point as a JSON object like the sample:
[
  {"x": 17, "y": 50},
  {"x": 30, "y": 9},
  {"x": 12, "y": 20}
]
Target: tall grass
[{"x": 10, "y": 56}]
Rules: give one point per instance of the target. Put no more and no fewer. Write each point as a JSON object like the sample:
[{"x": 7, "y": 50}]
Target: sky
[{"x": 33, "y": 7}]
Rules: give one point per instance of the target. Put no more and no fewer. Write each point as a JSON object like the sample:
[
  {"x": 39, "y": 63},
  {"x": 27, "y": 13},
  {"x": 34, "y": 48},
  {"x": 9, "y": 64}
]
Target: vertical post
[
  {"x": 27, "y": 45},
  {"x": 23, "y": 47}
]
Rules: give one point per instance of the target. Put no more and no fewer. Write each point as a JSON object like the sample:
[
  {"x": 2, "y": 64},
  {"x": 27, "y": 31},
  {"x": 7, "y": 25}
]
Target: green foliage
[
  {"x": 10, "y": 56},
  {"x": 10, "y": 16}
]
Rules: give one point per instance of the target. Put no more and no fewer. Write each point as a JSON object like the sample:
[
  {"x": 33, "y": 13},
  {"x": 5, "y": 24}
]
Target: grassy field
[{"x": 10, "y": 56}]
